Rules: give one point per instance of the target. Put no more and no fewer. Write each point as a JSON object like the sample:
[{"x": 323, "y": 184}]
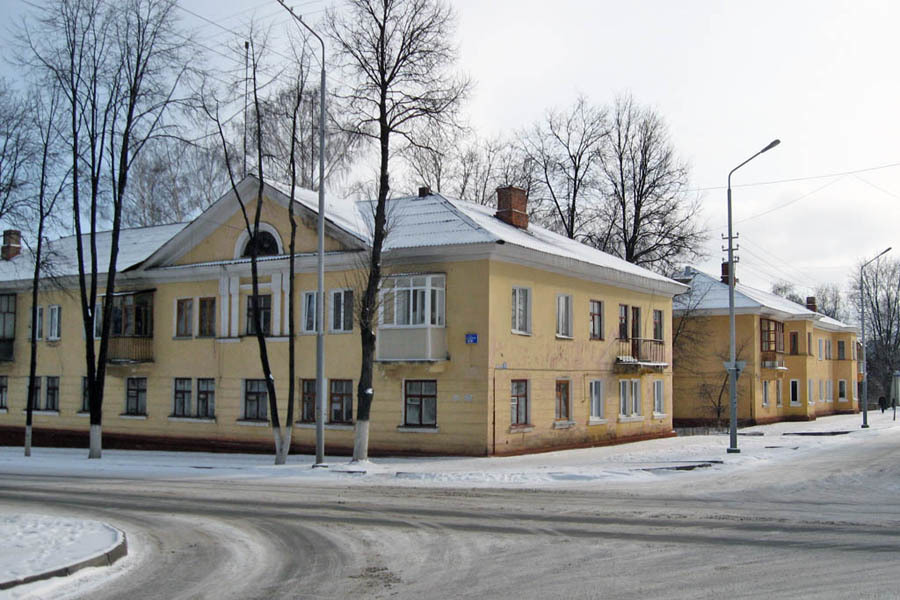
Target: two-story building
[
  {"x": 799, "y": 363},
  {"x": 495, "y": 336}
]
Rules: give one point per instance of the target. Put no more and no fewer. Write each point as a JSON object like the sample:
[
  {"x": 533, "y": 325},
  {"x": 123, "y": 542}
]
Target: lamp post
[
  {"x": 320, "y": 256},
  {"x": 732, "y": 366},
  {"x": 862, "y": 318}
]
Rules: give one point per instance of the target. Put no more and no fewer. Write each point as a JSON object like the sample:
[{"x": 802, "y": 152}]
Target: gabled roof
[
  {"x": 709, "y": 295},
  {"x": 135, "y": 245}
]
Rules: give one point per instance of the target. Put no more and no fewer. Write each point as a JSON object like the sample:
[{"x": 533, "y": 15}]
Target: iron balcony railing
[
  {"x": 642, "y": 350},
  {"x": 130, "y": 349}
]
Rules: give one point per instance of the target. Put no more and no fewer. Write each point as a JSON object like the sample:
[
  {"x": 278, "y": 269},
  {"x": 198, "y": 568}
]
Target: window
[
  {"x": 659, "y": 403},
  {"x": 658, "y": 325},
  {"x": 421, "y": 402},
  {"x": 842, "y": 390},
  {"x": 636, "y": 322},
  {"x": 55, "y": 322},
  {"x": 562, "y": 400},
  {"x": 821, "y": 391},
  {"x": 136, "y": 396},
  {"x": 821, "y": 346},
  {"x": 413, "y": 301},
  {"x": 809, "y": 346},
  {"x": 132, "y": 316},
  {"x": 39, "y": 329},
  {"x": 36, "y": 393},
  {"x": 51, "y": 400},
  {"x": 309, "y": 312},
  {"x": 85, "y": 395},
  {"x": 597, "y": 411},
  {"x": 771, "y": 335},
  {"x": 521, "y": 310},
  {"x": 827, "y": 349},
  {"x": 308, "y": 400},
  {"x": 765, "y": 397},
  {"x": 98, "y": 320},
  {"x": 184, "y": 317},
  {"x": 207, "y": 326},
  {"x": 518, "y": 402},
  {"x": 842, "y": 350},
  {"x": 256, "y": 400},
  {"x": 810, "y": 399},
  {"x": 4, "y": 386},
  {"x": 7, "y": 316},
  {"x": 206, "y": 398},
  {"x": 795, "y": 391},
  {"x": 265, "y": 314},
  {"x": 263, "y": 242},
  {"x": 623, "y": 322},
  {"x": 341, "y": 400},
  {"x": 596, "y": 320},
  {"x": 624, "y": 405},
  {"x": 342, "y": 310},
  {"x": 829, "y": 391},
  {"x": 778, "y": 392},
  {"x": 564, "y": 315},
  {"x": 182, "y": 404},
  {"x": 629, "y": 397},
  {"x": 795, "y": 342}
]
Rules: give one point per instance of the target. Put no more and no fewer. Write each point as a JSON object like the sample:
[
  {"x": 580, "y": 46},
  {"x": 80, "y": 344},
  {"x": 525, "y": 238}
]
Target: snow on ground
[{"x": 635, "y": 462}]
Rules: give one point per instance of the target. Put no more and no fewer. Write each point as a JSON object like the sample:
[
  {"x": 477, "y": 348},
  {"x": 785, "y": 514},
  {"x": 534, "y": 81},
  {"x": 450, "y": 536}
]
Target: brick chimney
[
  {"x": 512, "y": 206},
  {"x": 12, "y": 244},
  {"x": 424, "y": 191},
  {"x": 725, "y": 273},
  {"x": 811, "y": 303}
]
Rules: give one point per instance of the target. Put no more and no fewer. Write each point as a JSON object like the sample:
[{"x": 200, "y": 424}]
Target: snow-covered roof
[
  {"x": 135, "y": 245},
  {"x": 710, "y": 295}
]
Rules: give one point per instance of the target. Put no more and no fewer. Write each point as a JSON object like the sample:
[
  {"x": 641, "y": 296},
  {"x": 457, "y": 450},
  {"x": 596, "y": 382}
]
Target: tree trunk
[
  {"x": 28, "y": 440},
  {"x": 282, "y": 443},
  {"x": 361, "y": 441},
  {"x": 96, "y": 441}
]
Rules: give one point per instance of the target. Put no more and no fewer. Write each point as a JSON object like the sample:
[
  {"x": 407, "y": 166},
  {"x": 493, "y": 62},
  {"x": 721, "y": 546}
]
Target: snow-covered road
[{"x": 790, "y": 517}]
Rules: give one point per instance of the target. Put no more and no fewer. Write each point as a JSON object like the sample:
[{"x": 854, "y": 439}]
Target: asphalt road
[{"x": 823, "y": 526}]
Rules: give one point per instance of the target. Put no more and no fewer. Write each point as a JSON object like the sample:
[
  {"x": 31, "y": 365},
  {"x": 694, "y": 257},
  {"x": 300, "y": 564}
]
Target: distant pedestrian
[{"x": 882, "y": 403}]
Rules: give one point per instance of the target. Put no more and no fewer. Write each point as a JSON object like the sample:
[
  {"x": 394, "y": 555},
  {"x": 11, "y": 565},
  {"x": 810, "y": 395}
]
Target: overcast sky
[{"x": 728, "y": 77}]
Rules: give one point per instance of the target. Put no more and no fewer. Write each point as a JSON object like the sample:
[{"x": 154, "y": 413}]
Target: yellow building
[
  {"x": 494, "y": 337},
  {"x": 800, "y": 364}
]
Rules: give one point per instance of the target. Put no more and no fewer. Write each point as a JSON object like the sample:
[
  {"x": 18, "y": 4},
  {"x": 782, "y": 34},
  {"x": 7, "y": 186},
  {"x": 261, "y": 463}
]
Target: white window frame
[
  {"x": 636, "y": 397},
  {"x": 518, "y": 292},
  {"x": 821, "y": 391},
  {"x": 794, "y": 397},
  {"x": 595, "y": 335},
  {"x": 527, "y": 422},
  {"x": 342, "y": 295},
  {"x": 597, "y": 393},
  {"x": 39, "y": 331},
  {"x": 821, "y": 348},
  {"x": 624, "y": 392},
  {"x": 779, "y": 393},
  {"x": 765, "y": 392},
  {"x": 829, "y": 391},
  {"x": 305, "y": 312},
  {"x": 630, "y": 399},
  {"x": 175, "y": 320},
  {"x": 564, "y": 316},
  {"x": 844, "y": 397},
  {"x": 827, "y": 349},
  {"x": 54, "y": 328},
  {"x": 435, "y": 287},
  {"x": 659, "y": 397}
]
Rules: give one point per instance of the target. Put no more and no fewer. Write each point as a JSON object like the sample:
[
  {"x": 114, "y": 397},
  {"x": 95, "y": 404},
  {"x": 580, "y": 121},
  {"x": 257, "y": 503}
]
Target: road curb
[{"x": 102, "y": 559}]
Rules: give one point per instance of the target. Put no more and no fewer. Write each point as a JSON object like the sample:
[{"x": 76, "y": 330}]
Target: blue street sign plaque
[{"x": 471, "y": 338}]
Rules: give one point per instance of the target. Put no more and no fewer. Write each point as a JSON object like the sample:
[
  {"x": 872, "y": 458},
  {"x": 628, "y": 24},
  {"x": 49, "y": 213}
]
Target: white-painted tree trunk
[
  {"x": 96, "y": 442},
  {"x": 28, "y": 440},
  {"x": 361, "y": 441},
  {"x": 282, "y": 444}
]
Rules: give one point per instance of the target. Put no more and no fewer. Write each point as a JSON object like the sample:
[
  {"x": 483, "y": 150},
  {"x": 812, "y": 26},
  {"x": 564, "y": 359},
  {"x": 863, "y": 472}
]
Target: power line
[{"x": 794, "y": 179}]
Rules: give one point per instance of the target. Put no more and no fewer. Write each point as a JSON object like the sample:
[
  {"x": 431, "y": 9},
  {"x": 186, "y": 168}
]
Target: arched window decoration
[{"x": 265, "y": 243}]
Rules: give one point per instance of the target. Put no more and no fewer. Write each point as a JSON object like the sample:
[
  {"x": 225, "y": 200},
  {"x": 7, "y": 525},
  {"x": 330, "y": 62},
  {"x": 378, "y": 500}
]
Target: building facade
[
  {"x": 800, "y": 364},
  {"x": 495, "y": 336}
]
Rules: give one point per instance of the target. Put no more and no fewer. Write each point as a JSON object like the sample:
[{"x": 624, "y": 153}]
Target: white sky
[{"x": 728, "y": 77}]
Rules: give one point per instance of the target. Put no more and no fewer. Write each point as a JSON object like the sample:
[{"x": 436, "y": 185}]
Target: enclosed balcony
[
  {"x": 131, "y": 328},
  {"x": 640, "y": 353},
  {"x": 411, "y": 326}
]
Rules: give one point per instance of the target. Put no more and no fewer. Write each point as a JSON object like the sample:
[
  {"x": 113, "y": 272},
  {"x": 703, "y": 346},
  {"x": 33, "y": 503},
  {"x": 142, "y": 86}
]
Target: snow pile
[{"x": 34, "y": 544}]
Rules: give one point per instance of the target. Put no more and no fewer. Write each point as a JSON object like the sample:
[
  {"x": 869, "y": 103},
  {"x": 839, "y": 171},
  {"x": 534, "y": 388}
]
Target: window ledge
[
  {"x": 192, "y": 419},
  {"x": 3, "y": 411},
  {"x": 811, "y": 402},
  {"x": 416, "y": 429},
  {"x": 595, "y": 339},
  {"x": 630, "y": 418},
  {"x": 521, "y": 428},
  {"x": 133, "y": 417},
  {"x": 339, "y": 331},
  {"x": 253, "y": 423},
  {"x": 560, "y": 336},
  {"x": 83, "y": 413},
  {"x": 227, "y": 340},
  {"x": 659, "y": 415},
  {"x": 597, "y": 421},
  {"x": 182, "y": 337},
  {"x": 842, "y": 400},
  {"x": 795, "y": 404},
  {"x": 332, "y": 426},
  {"x": 43, "y": 412},
  {"x": 563, "y": 424},
  {"x": 517, "y": 332}
]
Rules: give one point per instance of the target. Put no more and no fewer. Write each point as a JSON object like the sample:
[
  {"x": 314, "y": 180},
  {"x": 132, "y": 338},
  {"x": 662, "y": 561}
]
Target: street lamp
[
  {"x": 732, "y": 366},
  {"x": 862, "y": 318},
  {"x": 320, "y": 255}
]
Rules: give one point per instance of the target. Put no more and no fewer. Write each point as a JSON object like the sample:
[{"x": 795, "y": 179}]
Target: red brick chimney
[
  {"x": 512, "y": 206},
  {"x": 811, "y": 303},
  {"x": 12, "y": 244},
  {"x": 725, "y": 273}
]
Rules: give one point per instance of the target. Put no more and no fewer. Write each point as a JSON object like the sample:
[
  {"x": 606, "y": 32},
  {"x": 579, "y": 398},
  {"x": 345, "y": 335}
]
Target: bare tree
[
  {"x": 15, "y": 149},
  {"x": 646, "y": 217},
  {"x": 118, "y": 67},
  {"x": 830, "y": 301},
  {"x": 786, "y": 290},
  {"x": 881, "y": 302},
  {"x": 565, "y": 150},
  {"x": 395, "y": 56}
]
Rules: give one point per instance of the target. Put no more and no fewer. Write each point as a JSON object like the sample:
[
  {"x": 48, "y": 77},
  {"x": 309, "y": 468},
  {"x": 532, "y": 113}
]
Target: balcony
[
  {"x": 772, "y": 360},
  {"x": 638, "y": 353},
  {"x": 124, "y": 350}
]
